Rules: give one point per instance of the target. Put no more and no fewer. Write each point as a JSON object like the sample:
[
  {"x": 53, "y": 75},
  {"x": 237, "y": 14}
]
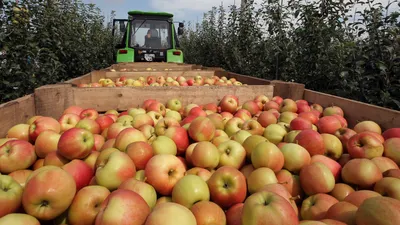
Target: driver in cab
[{"x": 151, "y": 38}]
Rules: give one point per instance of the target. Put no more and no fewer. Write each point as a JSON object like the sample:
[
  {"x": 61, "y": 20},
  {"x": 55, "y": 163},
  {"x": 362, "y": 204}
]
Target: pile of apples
[
  {"x": 198, "y": 80},
  {"x": 265, "y": 161}
]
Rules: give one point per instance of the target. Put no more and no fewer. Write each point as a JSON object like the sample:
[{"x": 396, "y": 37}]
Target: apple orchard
[{"x": 265, "y": 161}]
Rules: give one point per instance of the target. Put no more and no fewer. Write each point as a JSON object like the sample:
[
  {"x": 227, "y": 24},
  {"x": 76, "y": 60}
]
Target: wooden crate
[
  {"x": 134, "y": 67},
  {"x": 51, "y": 100}
]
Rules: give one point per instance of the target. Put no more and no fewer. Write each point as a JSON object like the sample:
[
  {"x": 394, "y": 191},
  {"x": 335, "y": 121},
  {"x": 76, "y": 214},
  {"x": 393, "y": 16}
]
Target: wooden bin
[
  {"x": 51, "y": 100},
  {"x": 95, "y": 76},
  {"x": 132, "y": 67}
]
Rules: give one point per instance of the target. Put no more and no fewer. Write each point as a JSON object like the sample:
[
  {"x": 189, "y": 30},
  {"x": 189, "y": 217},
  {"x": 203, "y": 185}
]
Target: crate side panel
[
  {"x": 290, "y": 90},
  {"x": 15, "y": 112},
  {"x": 356, "y": 111},
  {"x": 103, "y": 99},
  {"x": 85, "y": 79},
  {"x": 52, "y": 100}
]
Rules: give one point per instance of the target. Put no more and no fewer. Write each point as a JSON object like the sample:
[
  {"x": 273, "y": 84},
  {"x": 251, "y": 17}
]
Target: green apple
[
  {"x": 266, "y": 207},
  {"x": 275, "y": 133},
  {"x": 115, "y": 169},
  {"x": 189, "y": 190},
  {"x": 10, "y": 195},
  {"x": 164, "y": 145},
  {"x": 232, "y": 154},
  {"x": 267, "y": 154},
  {"x": 240, "y": 136},
  {"x": 174, "y": 104},
  {"x": 145, "y": 190},
  {"x": 136, "y": 111},
  {"x": 259, "y": 178},
  {"x": 174, "y": 114}
]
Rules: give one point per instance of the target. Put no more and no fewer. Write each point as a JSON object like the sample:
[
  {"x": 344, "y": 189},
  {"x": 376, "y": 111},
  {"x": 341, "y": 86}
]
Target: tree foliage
[
  {"x": 50, "y": 41},
  {"x": 328, "y": 45}
]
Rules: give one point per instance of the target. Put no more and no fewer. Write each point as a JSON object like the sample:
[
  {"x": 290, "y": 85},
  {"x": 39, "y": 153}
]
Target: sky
[{"x": 183, "y": 10}]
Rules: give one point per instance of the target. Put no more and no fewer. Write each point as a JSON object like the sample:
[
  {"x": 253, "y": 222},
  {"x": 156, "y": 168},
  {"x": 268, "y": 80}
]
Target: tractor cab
[{"x": 147, "y": 37}]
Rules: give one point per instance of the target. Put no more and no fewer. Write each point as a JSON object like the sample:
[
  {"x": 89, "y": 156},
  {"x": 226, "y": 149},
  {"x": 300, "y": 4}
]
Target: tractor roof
[{"x": 150, "y": 13}]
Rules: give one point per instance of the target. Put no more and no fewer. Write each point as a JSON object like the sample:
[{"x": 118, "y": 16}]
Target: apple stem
[{"x": 295, "y": 197}]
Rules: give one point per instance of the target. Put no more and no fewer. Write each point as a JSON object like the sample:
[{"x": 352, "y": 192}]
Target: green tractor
[{"x": 147, "y": 37}]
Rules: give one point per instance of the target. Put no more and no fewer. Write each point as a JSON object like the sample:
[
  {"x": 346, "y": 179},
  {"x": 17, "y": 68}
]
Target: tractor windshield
[{"x": 150, "y": 34}]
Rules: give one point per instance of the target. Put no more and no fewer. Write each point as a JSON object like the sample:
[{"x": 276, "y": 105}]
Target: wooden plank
[
  {"x": 245, "y": 79},
  {"x": 80, "y": 80},
  {"x": 15, "y": 112},
  {"x": 123, "y": 98},
  {"x": 51, "y": 100},
  {"x": 356, "y": 111},
  {"x": 290, "y": 90}
]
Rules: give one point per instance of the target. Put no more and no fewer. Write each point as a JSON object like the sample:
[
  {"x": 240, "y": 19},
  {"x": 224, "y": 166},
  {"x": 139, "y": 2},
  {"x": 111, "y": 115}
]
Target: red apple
[
  {"x": 378, "y": 210},
  {"x": 55, "y": 159},
  {"x": 333, "y": 110},
  {"x": 86, "y": 204},
  {"x": 205, "y": 155},
  {"x": 361, "y": 172},
  {"x": 392, "y": 173},
  {"x": 208, "y": 213},
  {"x": 341, "y": 191},
  {"x": 180, "y": 136},
  {"x": 19, "y": 131},
  {"x": 74, "y": 110},
  {"x": 123, "y": 207},
  {"x": 333, "y": 166},
  {"x": 312, "y": 141},
  {"x": 16, "y": 155},
  {"x": 392, "y": 149},
  {"x": 322, "y": 180},
  {"x": 367, "y": 126},
  {"x": 309, "y": 116},
  {"x": 344, "y": 135},
  {"x": 140, "y": 152},
  {"x": 128, "y": 136},
  {"x": 80, "y": 171},
  {"x": 163, "y": 172},
  {"x": 291, "y": 183},
  {"x": 384, "y": 164},
  {"x": 21, "y": 176},
  {"x": 47, "y": 200},
  {"x": 90, "y": 125},
  {"x": 342, "y": 211},
  {"x": 300, "y": 124},
  {"x": 316, "y": 206},
  {"x": 46, "y": 142},
  {"x": 75, "y": 143},
  {"x": 234, "y": 214},
  {"x": 266, "y": 207},
  {"x": 329, "y": 124},
  {"x": 358, "y": 197},
  {"x": 145, "y": 190},
  {"x": 41, "y": 124},
  {"x": 364, "y": 145},
  {"x": 201, "y": 129},
  {"x": 89, "y": 113},
  {"x": 391, "y": 133},
  {"x": 104, "y": 122},
  {"x": 227, "y": 186},
  {"x": 229, "y": 103}
]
